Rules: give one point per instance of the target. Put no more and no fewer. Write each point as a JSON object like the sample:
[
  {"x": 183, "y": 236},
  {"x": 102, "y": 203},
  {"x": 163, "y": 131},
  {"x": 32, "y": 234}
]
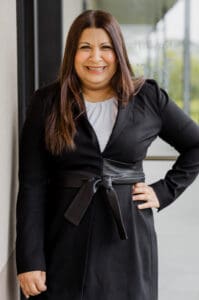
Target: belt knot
[{"x": 104, "y": 181}]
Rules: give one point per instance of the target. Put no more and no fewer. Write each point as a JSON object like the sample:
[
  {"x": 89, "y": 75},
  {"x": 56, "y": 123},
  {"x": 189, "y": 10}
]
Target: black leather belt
[{"x": 114, "y": 172}]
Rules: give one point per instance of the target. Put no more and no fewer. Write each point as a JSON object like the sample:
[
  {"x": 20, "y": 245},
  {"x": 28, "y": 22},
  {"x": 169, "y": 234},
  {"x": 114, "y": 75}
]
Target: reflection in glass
[{"x": 166, "y": 54}]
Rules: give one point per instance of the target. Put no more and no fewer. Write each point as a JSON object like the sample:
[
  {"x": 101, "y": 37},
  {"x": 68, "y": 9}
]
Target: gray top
[{"x": 102, "y": 116}]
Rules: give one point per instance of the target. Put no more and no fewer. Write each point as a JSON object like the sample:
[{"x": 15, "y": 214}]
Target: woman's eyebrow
[
  {"x": 84, "y": 43},
  {"x": 104, "y": 43}
]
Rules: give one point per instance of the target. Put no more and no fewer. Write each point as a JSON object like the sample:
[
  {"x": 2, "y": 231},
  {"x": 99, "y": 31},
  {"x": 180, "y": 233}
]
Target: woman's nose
[{"x": 95, "y": 54}]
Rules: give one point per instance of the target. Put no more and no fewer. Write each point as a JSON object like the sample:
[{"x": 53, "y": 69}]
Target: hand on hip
[{"x": 142, "y": 192}]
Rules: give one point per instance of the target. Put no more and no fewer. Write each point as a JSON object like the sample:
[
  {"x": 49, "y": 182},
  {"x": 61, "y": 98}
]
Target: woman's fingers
[
  {"x": 32, "y": 283},
  {"x": 32, "y": 290},
  {"x": 40, "y": 283},
  {"x": 29, "y": 290},
  {"x": 142, "y": 192},
  {"x": 146, "y": 205}
]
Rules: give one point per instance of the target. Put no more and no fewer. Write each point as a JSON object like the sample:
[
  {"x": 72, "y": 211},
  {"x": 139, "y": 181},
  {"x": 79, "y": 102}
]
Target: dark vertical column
[
  {"x": 39, "y": 47},
  {"x": 25, "y": 55},
  {"x": 49, "y": 18}
]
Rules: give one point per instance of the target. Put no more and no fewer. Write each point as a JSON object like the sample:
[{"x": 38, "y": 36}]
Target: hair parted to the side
[{"x": 60, "y": 125}]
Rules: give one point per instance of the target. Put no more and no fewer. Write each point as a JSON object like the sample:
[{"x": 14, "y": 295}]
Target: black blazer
[{"x": 74, "y": 255}]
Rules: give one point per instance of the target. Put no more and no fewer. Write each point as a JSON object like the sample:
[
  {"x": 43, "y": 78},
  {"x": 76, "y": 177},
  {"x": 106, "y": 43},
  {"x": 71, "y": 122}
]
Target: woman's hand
[
  {"x": 32, "y": 283},
  {"x": 142, "y": 192}
]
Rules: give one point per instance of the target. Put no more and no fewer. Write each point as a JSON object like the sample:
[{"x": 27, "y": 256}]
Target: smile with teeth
[{"x": 96, "y": 69}]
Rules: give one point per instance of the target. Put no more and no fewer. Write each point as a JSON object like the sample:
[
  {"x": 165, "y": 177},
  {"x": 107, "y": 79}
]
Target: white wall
[{"x": 8, "y": 146}]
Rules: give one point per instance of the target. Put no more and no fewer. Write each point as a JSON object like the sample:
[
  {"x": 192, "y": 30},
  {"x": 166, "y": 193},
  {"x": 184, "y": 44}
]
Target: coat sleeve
[
  {"x": 182, "y": 133},
  {"x": 32, "y": 191}
]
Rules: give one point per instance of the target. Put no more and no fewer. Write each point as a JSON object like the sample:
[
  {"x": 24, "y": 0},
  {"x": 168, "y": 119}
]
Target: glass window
[
  {"x": 169, "y": 52},
  {"x": 162, "y": 39}
]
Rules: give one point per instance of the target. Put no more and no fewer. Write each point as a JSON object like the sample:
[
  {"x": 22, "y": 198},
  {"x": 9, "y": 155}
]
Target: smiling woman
[
  {"x": 85, "y": 225},
  {"x": 95, "y": 63}
]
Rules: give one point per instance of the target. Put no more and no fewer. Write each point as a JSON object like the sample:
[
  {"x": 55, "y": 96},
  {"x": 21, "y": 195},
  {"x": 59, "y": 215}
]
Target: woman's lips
[{"x": 96, "y": 69}]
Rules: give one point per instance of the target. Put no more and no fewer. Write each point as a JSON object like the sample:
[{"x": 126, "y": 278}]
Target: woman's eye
[
  {"x": 107, "y": 47},
  {"x": 87, "y": 47},
  {"x": 84, "y": 47}
]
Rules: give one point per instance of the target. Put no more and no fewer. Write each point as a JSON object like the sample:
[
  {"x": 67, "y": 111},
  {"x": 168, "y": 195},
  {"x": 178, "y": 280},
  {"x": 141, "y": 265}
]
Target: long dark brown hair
[{"x": 60, "y": 125}]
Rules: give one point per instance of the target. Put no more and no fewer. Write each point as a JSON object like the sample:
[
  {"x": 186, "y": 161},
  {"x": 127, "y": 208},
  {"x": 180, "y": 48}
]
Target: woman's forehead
[{"x": 94, "y": 35}]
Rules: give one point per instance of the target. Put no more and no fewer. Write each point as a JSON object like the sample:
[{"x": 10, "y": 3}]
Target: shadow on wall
[{"x": 9, "y": 287}]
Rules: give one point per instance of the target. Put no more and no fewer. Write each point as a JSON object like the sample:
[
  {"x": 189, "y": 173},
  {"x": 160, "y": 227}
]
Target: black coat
[{"x": 90, "y": 261}]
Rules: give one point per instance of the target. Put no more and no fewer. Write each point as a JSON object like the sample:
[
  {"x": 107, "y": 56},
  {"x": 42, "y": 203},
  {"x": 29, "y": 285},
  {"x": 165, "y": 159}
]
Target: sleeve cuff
[{"x": 163, "y": 193}]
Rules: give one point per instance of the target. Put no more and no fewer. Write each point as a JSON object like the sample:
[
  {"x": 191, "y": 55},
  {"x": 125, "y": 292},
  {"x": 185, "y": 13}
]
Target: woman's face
[{"x": 95, "y": 59}]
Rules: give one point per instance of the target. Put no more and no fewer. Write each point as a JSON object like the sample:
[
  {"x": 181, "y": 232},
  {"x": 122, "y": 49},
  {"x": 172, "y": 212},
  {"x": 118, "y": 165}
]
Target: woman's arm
[
  {"x": 181, "y": 132},
  {"x": 32, "y": 191}
]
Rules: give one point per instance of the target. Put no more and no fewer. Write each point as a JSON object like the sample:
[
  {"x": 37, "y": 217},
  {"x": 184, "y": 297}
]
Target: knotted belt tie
[{"x": 114, "y": 172}]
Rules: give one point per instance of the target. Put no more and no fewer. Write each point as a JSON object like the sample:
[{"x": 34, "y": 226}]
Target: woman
[{"x": 84, "y": 213}]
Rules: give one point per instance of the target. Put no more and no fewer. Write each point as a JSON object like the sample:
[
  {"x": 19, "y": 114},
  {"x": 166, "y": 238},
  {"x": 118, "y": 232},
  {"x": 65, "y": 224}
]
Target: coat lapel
[{"x": 121, "y": 121}]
